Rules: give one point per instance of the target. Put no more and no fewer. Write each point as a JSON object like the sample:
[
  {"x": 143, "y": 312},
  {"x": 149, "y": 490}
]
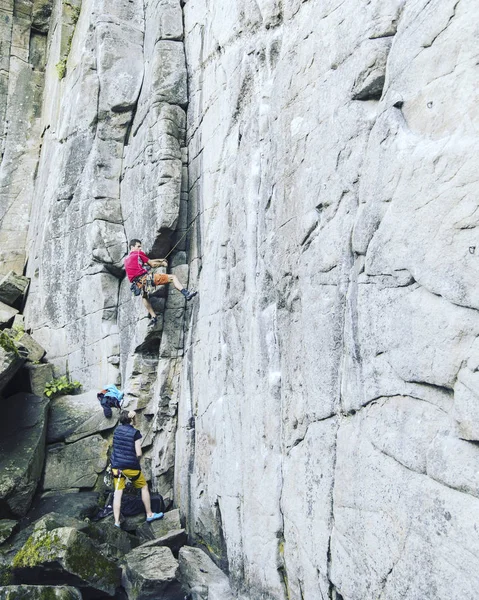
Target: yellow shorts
[{"x": 120, "y": 482}]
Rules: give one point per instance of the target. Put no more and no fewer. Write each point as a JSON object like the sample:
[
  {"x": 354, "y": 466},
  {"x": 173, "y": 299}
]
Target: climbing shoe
[
  {"x": 154, "y": 517},
  {"x": 187, "y": 294},
  {"x": 153, "y": 322}
]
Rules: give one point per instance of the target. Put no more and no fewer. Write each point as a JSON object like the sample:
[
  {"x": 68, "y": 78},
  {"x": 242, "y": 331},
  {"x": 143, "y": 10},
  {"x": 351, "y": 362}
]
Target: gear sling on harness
[{"x": 119, "y": 473}]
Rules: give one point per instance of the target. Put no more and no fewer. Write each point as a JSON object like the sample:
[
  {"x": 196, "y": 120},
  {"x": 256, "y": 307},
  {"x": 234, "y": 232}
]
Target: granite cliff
[{"x": 315, "y": 410}]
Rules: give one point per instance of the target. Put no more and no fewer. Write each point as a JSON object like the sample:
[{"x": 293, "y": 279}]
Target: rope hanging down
[{"x": 182, "y": 237}]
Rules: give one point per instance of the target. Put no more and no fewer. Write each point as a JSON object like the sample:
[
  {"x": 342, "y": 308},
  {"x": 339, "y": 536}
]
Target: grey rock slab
[
  {"x": 10, "y": 362},
  {"x": 7, "y": 527},
  {"x": 68, "y": 554},
  {"x": 7, "y": 313},
  {"x": 466, "y": 404},
  {"x": 201, "y": 577},
  {"x": 76, "y": 464},
  {"x": 151, "y": 573},
  {"x": 39, "y": 592},
  {"x": 22, "y": 449},
  {"x": 69, "y": 504},
  {"x": 120, "y": 64},
  {"x": 454, "y": 462},
  {"x": 167, "y": 77},
  {"x": 392, "y": 544},
  {"x": 106, "y": 533},
  {"x": 160, "y": 527},
  {"x": 39, "y": 376},
  {"x": 12, "y": 287},
  {"x": 74, "y": 417},
  {"x": 30, "y": 348},
  {"x": 174, "y": 539}
]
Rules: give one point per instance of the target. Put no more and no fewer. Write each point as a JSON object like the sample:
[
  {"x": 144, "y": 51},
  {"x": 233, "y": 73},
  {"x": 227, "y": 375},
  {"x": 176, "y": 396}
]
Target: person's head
[
  {"x": 135, "y": 244},
  {"x": 127, "y": 417}
]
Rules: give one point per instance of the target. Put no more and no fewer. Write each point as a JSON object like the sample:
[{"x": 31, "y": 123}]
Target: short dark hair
[
  {"x": 124, "y": 417},
  {"x": 134, "y": 242}
]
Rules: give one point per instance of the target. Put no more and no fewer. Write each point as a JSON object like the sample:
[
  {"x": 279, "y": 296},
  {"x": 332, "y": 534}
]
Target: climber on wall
[
  {"x": 136, "y": 267},
  {"x": 125, "y": 464}
]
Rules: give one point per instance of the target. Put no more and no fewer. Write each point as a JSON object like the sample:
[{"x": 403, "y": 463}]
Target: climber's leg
[
  {"x": 117, "y": 494},
  {"x": 148, "y": 306}
]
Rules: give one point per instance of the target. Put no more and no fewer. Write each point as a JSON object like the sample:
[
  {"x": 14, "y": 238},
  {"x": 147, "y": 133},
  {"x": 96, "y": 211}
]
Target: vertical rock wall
[
  {"x": 328, "y": 413},
  {"x": 326, "y": 377},
  {"x": 100, "y": 161}
]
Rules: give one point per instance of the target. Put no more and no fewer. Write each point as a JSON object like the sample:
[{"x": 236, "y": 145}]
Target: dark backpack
[{"x": 110, "y": 398}]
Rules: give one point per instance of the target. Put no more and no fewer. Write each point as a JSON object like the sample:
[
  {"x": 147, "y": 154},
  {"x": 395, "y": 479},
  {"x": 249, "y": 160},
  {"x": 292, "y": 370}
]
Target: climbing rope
[{"x": 182, "y": 237}]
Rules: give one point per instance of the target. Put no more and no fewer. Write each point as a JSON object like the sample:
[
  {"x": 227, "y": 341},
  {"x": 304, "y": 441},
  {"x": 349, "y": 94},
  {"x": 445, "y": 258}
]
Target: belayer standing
[
  {"x": 125, "y": 463},
  {"x": 136, "y": 264}
]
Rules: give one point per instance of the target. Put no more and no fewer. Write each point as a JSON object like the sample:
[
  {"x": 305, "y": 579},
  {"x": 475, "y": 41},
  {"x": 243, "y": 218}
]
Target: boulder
[
  {"x": 151, "y": 573},
  {"x": 30, "y": 348},
  {"x": 7, "y": 313},
  {"x": 68, "y": 503},
  {"x": 161, "y": 527},
  {"x": 174, "y": 540},
  {"x": 22, "y": 449},
  {"x": 67, "y": 555},
  {"x": 201, "y": 577},
  {"x": 75, "y": 465},
  {"x": 106, "y": 534},
  {"x": 39, "y": 592},
  {"x": 39, "y": 376},
  {"x": 12, "y": 287},
  {"x": 10, "y": 361},
  {"x": 75, "y": 417},
  {"x": 7, "y": 527}
]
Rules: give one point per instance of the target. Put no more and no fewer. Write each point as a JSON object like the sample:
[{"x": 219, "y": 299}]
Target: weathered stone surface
[
  {"x": 324, "y": 142},
  {"x": 201, "y": 577},
  {"x": 69, "y": 554},
  {"x": 22, "y": 449},
  {"x": 7, "y": 526},
  {"x": 29, "y": 348},
  {"x": 151, "y": 573},
  {"x": 10, "y": 360},
  {"x": 6, "y": 313},
  {"x": 39, "y": 592},
  {"x": 174, "y": 540},
  {"x": 39, "y": 376},
  {"x": 160, "y": 527},
  {"x": 466, "y": 404},
  {"x": 73, "y": 504},
  {"x": 12, "y": 287},
  {"x": 104, "y": 533},
  {"x": 74, "y": 417},
  {"x": 76, "y": 464},
  {"x": 330, "y": 181}
]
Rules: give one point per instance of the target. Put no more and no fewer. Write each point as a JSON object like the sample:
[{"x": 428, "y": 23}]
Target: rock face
[
  {"x": 316, "y": 406},
  {"x": 151, "y": 573},
  {"x": 74, "y": 417},
  {"x": 75, "y": 465},
  {"x": 12, "y": 287},
  {"x": 65, "y": 552},
  {"x": 22, "y": 449},
  {"x": 201, "y": 577},
  {"x": 330, "y": 381},
  {"x": 39, "y": 592}
]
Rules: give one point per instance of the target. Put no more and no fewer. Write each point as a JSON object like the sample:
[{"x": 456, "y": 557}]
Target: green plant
[
  {"x": 61, "y": 386},
  {"x": 61, "y": 68},
  {"x": 17, "y": 331},
  {"x": 7, "y": 343}
]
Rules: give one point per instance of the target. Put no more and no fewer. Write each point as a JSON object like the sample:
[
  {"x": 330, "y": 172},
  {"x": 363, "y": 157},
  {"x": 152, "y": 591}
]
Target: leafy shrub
[{"x": 61, "y": 386}]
